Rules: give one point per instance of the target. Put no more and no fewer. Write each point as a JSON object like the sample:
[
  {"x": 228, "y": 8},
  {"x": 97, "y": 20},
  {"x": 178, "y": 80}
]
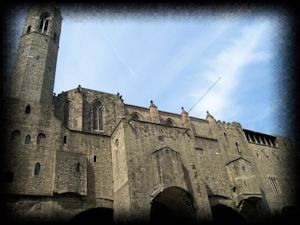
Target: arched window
[
  {"x": 37, "y": 169},
  {"x": 27, "y": 109},
  {"x": 67, "y": 112},
  {"x": 170, "y": 122},
  {"x": 44, "y": 22},
  {"x": 15, "y": 135},
  {"x": 28, "y": 29},
  {"x": 8, "y": 177},
  {"x": 237, "y": 147},
  {"x": 78, "y": 167},
  {"x": 97, "y": 114},
  {"x": 54, "y": 37},
  {"x": 134, "y": 116},
  {"x": 41, "y": 138},
  {"x": 27, "y": 139}
]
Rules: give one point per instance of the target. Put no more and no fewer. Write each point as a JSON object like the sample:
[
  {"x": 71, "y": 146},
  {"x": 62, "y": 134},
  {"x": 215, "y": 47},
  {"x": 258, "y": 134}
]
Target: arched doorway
[
  {"x": 173, "y": 205},
  {"x": 94, "y": 216},
  {"x": 226, "y": 215}
]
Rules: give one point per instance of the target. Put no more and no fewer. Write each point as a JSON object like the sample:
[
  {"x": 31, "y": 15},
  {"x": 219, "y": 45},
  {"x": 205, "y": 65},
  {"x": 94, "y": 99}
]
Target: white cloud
[{"x": 228, "y": 64}]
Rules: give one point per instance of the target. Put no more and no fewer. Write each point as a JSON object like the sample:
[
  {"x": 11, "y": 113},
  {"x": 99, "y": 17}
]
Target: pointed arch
[
  {"x": 169, "y": 122},
  {"x": 135, "y": 116},
  {"x": 44, "y": 22},
  {"x": 37, "y": 169},
  {"x": 27, "y": 109},
  {"x": 28, "y": 140},
  {"x": 97, "y": 115},
  {"x": 41, "y": 138},
  {"x": 15, "y": 135}
]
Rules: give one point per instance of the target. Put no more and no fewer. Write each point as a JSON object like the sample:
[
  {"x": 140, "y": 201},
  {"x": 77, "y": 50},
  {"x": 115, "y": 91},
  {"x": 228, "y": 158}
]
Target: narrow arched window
[
  {"x": 97, "y": 114},
  {"x": 66, "y": 112},
  {"x": 44, "y": 21},
  {"x": 28, "y": 140},
  {"x": 78, "y": 167},
  {"x": 15, "y": 135},
  {"x": 41, "y": 138},
  {"x": 237, "y": 147},
  {"x": 28, "y": 29},
  {"x": 8, "y": 177},
  {"x": 95, "y": 158},
  {"x": 37, "y": 169},
  {"x": 54, "y": 37},
  {"x": 27, "y": 109}
]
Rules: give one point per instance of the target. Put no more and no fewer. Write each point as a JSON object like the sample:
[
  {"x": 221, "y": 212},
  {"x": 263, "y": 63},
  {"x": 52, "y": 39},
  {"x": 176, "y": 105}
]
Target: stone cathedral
[{"x": 86, "y": 153}]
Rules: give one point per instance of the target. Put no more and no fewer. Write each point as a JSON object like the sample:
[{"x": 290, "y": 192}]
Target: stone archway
[
  {"x": 225, "y": 215},
  {"x": 173, "y": 205},
  {"x": 93, "y": 216}
]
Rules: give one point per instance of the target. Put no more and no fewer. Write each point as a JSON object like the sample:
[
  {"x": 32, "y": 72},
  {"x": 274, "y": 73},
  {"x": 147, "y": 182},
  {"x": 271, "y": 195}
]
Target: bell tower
[{"x": 33, "y": 75}]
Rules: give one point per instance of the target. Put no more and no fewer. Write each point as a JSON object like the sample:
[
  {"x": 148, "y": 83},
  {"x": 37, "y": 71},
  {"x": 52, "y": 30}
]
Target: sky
[{"x": 174, "y": 60}]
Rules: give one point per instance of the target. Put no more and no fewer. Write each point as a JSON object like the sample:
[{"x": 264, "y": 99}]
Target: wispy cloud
[{"x": 229, "y": 64}]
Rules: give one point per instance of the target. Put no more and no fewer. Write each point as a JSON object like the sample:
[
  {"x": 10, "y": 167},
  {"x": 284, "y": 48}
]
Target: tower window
[
  {"x": 44, "y": 21},
  {"x": 274, "y": 185},
  {"x": 37, "y": 169},
  {"x": 28, "y": 29},
  {"x": 27, "y": 109},
  {"x": 28, "y": 140},
  {"x": 8, "y": 177},
  {"x": 54, "y": 37},
  {"x": 15, "y": 135},
  {"x": 95, "y": 158},
  {"x": 65, "y": 139},
  {"x": 237, "y": 147},
  {"x": 97, "y": 113},
  {"x": 78, "y": 167},
  {"x": 41, "y": 138}
]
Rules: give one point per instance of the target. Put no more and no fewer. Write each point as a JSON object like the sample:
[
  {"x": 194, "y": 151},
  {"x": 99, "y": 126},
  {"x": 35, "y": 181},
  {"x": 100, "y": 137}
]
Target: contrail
[
  {"x": 205, "y": 93},
  {"x": 130, "y": 70}
]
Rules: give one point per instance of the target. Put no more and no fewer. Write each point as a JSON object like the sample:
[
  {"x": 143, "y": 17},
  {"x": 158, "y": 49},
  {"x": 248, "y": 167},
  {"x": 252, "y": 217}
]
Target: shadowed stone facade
[{"x": 84, "y": 150}]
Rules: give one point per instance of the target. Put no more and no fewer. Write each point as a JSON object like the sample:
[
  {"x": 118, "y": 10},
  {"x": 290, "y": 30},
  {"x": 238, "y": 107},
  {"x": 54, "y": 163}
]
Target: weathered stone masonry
[{"x": 85, "y": 149}]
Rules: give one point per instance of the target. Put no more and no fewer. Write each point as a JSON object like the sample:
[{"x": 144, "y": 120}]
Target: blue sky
[{"x": 173, "y": 60}]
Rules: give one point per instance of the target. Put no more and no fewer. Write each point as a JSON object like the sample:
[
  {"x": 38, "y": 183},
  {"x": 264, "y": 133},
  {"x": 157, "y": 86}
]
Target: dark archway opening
[
  {"x": 93, "y": 216},
  {"x": 173, "y": 206},
  {"x": 225, "y": 215}
]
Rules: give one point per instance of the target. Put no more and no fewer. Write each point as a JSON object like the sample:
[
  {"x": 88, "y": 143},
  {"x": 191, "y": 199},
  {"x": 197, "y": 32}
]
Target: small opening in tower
[
  {"x": 237, "y": 147},
  {"x": 78, "y": 167},
  {"x": 37, "y": 169},
  {"x": 28, "y": 29},
  {"x": 54, "y": 37},
  {"x": 27, "y": 139},
  {"x": 27, "y": 109},
  {"x": 95, "y": 158},
  {"x": 44, "y": 21},
  {"x": 65, "y": 139}
]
